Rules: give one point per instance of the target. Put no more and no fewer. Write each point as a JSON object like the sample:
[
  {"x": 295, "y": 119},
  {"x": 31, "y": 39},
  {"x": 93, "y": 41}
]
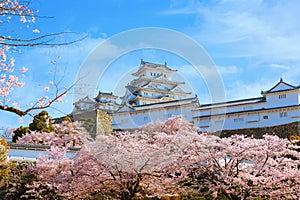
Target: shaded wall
[{"x": 283, "y": 131}]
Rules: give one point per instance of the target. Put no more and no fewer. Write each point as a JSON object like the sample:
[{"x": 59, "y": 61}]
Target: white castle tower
[{"x": 153, "y": 84}]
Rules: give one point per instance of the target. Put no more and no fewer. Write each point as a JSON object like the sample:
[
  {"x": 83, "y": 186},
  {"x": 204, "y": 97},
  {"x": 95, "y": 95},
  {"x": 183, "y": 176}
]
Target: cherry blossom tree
[
  {"x": 240, "y": 167},
  {"x": 65, "y": 134},
  {"x": 172, "y": 159},
  {"x": 123, "y": 166},
  {"x": 12, "y": 13},
  {"x": 62, "y": 177}
]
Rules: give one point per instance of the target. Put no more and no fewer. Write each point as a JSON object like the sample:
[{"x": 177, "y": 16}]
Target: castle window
[
  {"x": 247, "y": 107},
  {"x": 282, "y": 96},
  {"x": 124, "y": 120},
  {"x": 283, "y": 114},
  {"x": 165, "y": 76},
  {"x": 220, "y": 121},
  {"x": 151, "y": 73},
  {"x": 146, "y": 118},
  {"x": 214, "y": 112},
  {"x": 239, "y": 119},
  {"x": 265, "y": 117},
  {"x": 169, "y": 115}
]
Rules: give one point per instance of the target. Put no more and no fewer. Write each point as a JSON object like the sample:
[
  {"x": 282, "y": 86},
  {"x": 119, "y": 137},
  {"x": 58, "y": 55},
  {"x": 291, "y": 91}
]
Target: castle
[{"x": 154, "y": 96}]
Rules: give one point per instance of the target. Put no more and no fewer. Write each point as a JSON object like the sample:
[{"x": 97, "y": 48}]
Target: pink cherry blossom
[
  {"x": 20, "y": 84},
  {"x": 16, "y": 105},
  {"x": 2, "y": 78},
  {"x": 36, "y": 31},
  {"x": 12, "y": 62},
  {"x": 23, "y": 19},
  {"x": 23, "y": 69},
  {"x": 47, "y": 88},
  {"x": 65, "y": 134},
  {"x": 20, "y": 120},
  {"x": 156, "y": 163}
]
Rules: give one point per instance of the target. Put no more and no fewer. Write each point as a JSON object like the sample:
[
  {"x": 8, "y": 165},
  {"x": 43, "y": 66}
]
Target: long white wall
[
  {"x": 274, "y": 109},
  {"x": 135, "y": 119},
  {"x": 248, "y": 120}
]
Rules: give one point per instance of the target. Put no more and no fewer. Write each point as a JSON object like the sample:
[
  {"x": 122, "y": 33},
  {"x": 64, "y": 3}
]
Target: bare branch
[
  {"x": 44, "y": 40},
  {"x": 22, "y": 113}
]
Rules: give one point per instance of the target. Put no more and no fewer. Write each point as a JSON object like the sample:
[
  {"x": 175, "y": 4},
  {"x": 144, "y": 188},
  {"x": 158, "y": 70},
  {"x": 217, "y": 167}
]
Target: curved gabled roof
[
  {"x": 280, "y": 87},
  {"x": 86, "y": 99},
  {"x": 105, "y": 94},
  {"x": 145, "y": 65},
  {"x": 155, "y": 65}
]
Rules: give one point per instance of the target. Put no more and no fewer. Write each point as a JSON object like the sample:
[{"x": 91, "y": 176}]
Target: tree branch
[
  {"x": 37, "y": 41},
  {"x": 22, "y": 113}
]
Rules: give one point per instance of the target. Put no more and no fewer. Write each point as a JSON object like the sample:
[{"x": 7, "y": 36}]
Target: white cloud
[
  {"x": 252, "y": 34},
  {"x": 254, "y": 28},
  {"x": 279, "y": 66},
  {"x": 265, "y": 29},
  {"x": 230, "y": 69},
  {"x": 176, "y": 8},
  {"x": 182, "y": 11},
  {"x": 242, "y": 90}
]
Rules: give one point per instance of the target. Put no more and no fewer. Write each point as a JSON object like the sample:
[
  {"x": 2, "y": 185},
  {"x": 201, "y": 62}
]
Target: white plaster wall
[
  {"x": 136, "y": 119},
  {"x": 253, "y": 120},
  {"x": 274, "y": 101}
]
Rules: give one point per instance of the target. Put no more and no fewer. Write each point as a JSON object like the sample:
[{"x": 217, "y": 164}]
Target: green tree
[
  {"x": 41, "y": 123},
  {"x": 4, "y": 168},
  {"x": 19, "y": 132},
  {"x": 14, "y": 186}
]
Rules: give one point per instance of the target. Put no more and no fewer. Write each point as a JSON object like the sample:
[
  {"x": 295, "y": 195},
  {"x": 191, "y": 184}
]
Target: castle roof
[
  {"x": 233, "y": 103},
  {"x": 157, "y": 105},
  {"x": 149, "y": 65},
  {"x": 281, "y": 86},
  {"x": 106, "y": 94},
  {"x": 159, "y": 79},
  {"x": 86, "y": 99}
]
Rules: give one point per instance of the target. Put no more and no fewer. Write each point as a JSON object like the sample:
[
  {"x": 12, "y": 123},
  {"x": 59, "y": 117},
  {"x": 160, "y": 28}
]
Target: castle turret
[{"x": 153, "y": 84}]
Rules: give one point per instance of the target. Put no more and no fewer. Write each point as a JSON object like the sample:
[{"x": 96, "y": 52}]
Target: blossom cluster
[
  {"x": 64, "y": 134},
  {"x": 172, "y": 159},
  {"x": 50, "y": 139}
]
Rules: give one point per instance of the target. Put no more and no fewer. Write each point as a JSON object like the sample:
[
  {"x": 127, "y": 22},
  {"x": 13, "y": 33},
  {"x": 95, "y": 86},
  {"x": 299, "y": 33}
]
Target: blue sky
[{"x": 253, "y": 44}]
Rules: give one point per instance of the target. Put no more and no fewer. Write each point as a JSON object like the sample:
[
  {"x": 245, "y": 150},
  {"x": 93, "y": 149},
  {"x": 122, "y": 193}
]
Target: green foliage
[
  {"x": 4, "y": 172},
  {"x": 19, "y": 132},
  {"x": 14, "y": 186},
  {"x": 41, "y": 123},
  {"x": 67, "y": 118},
  {"x": 4, "y": 169},
  {"x": 4, "y": 143}
]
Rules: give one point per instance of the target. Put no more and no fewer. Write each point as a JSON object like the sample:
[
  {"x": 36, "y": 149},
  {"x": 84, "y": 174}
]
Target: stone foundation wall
[
  {"x": 104, "y": 126},
  {"x": 95, "y": 122},
  {"x": 89, "y": 120},
  {"x": 283, "y": 131}
]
